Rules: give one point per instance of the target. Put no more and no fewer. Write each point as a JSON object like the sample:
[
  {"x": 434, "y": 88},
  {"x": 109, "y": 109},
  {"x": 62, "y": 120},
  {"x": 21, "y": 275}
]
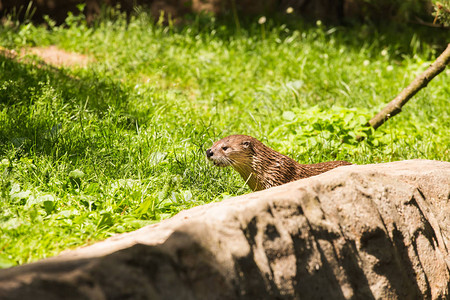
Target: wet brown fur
[{"x": 260, "y": 166}]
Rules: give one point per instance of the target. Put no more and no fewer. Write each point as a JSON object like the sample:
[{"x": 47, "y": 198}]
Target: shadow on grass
[
  {"x": 406, "y": 38},
  {"x": 46, "y": 110}
]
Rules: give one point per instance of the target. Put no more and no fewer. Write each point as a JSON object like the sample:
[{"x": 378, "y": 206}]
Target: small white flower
[
  {"x": 262, "y": 20},
  {"x": 319, "y": 23},
  {"x": 389, "y": 68},
  {"x": 366, "y": 63},
  {"x": 384, "y": 52},
  {"x": 289, "y": 10}
]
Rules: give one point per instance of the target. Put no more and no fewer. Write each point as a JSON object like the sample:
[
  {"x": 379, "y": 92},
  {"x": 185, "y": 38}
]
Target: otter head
[
  {"x": 259, "y": 166},
  {"x": 233, "y": 150}
]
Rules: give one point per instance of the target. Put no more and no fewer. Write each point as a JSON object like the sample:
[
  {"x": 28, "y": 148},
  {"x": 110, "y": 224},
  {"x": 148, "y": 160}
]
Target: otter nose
[{"x": 209, "y": 153}]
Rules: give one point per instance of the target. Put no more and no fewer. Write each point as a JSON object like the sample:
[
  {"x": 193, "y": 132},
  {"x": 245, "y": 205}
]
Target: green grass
[{"x": 86, "y": 153}]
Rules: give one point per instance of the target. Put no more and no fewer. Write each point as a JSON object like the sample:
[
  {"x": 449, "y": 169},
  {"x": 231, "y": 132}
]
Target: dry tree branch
[
  {"x": 421, "y": 81},
  {"x": 428, "y": 24}
]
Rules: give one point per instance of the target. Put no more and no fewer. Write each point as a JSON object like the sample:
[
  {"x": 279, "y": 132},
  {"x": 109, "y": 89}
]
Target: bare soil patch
[
  {"x": 51, "y": 55},
  {"x": 60, "y": 58}
]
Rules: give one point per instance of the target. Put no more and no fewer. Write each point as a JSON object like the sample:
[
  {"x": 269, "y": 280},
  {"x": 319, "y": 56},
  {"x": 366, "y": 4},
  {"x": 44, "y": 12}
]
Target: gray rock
[{"x": 363, "y": 232}]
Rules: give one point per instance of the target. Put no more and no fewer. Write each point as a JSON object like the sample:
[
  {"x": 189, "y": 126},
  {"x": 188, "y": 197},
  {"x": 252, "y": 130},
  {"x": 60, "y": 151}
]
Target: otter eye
[
  {"x": 224, "y": 148},
  {"x": 246, "y": 143}
]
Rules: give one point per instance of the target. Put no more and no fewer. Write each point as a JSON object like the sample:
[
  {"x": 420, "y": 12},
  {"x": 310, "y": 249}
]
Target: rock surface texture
[{"x": 361, "y": 232}]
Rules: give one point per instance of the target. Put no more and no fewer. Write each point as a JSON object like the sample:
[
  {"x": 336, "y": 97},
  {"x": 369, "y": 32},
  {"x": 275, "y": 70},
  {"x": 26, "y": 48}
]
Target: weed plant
[{"x": 86, "y": 153}]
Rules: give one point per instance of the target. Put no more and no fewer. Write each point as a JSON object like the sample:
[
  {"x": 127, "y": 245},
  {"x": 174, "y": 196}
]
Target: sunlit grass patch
[{"x": 86, "y": 153}]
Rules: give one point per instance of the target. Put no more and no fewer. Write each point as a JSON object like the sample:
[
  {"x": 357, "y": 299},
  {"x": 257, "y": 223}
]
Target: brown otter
[{"x": 260, "y": 166}]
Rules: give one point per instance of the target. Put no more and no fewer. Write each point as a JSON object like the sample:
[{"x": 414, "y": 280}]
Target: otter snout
[{"x": 217, "y": 158}]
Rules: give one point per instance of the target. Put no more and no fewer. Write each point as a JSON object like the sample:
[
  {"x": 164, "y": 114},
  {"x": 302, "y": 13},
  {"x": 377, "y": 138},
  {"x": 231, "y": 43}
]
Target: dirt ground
[{"x": 51, "y": 55}]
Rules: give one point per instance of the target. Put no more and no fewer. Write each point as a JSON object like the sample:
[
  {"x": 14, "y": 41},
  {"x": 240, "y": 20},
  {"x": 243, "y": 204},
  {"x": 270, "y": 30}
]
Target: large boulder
[{"x": 364, "y": 232}]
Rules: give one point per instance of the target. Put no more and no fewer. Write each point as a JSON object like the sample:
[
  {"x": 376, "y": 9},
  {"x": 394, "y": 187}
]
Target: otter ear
[{"x": 246, "y": 144}]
